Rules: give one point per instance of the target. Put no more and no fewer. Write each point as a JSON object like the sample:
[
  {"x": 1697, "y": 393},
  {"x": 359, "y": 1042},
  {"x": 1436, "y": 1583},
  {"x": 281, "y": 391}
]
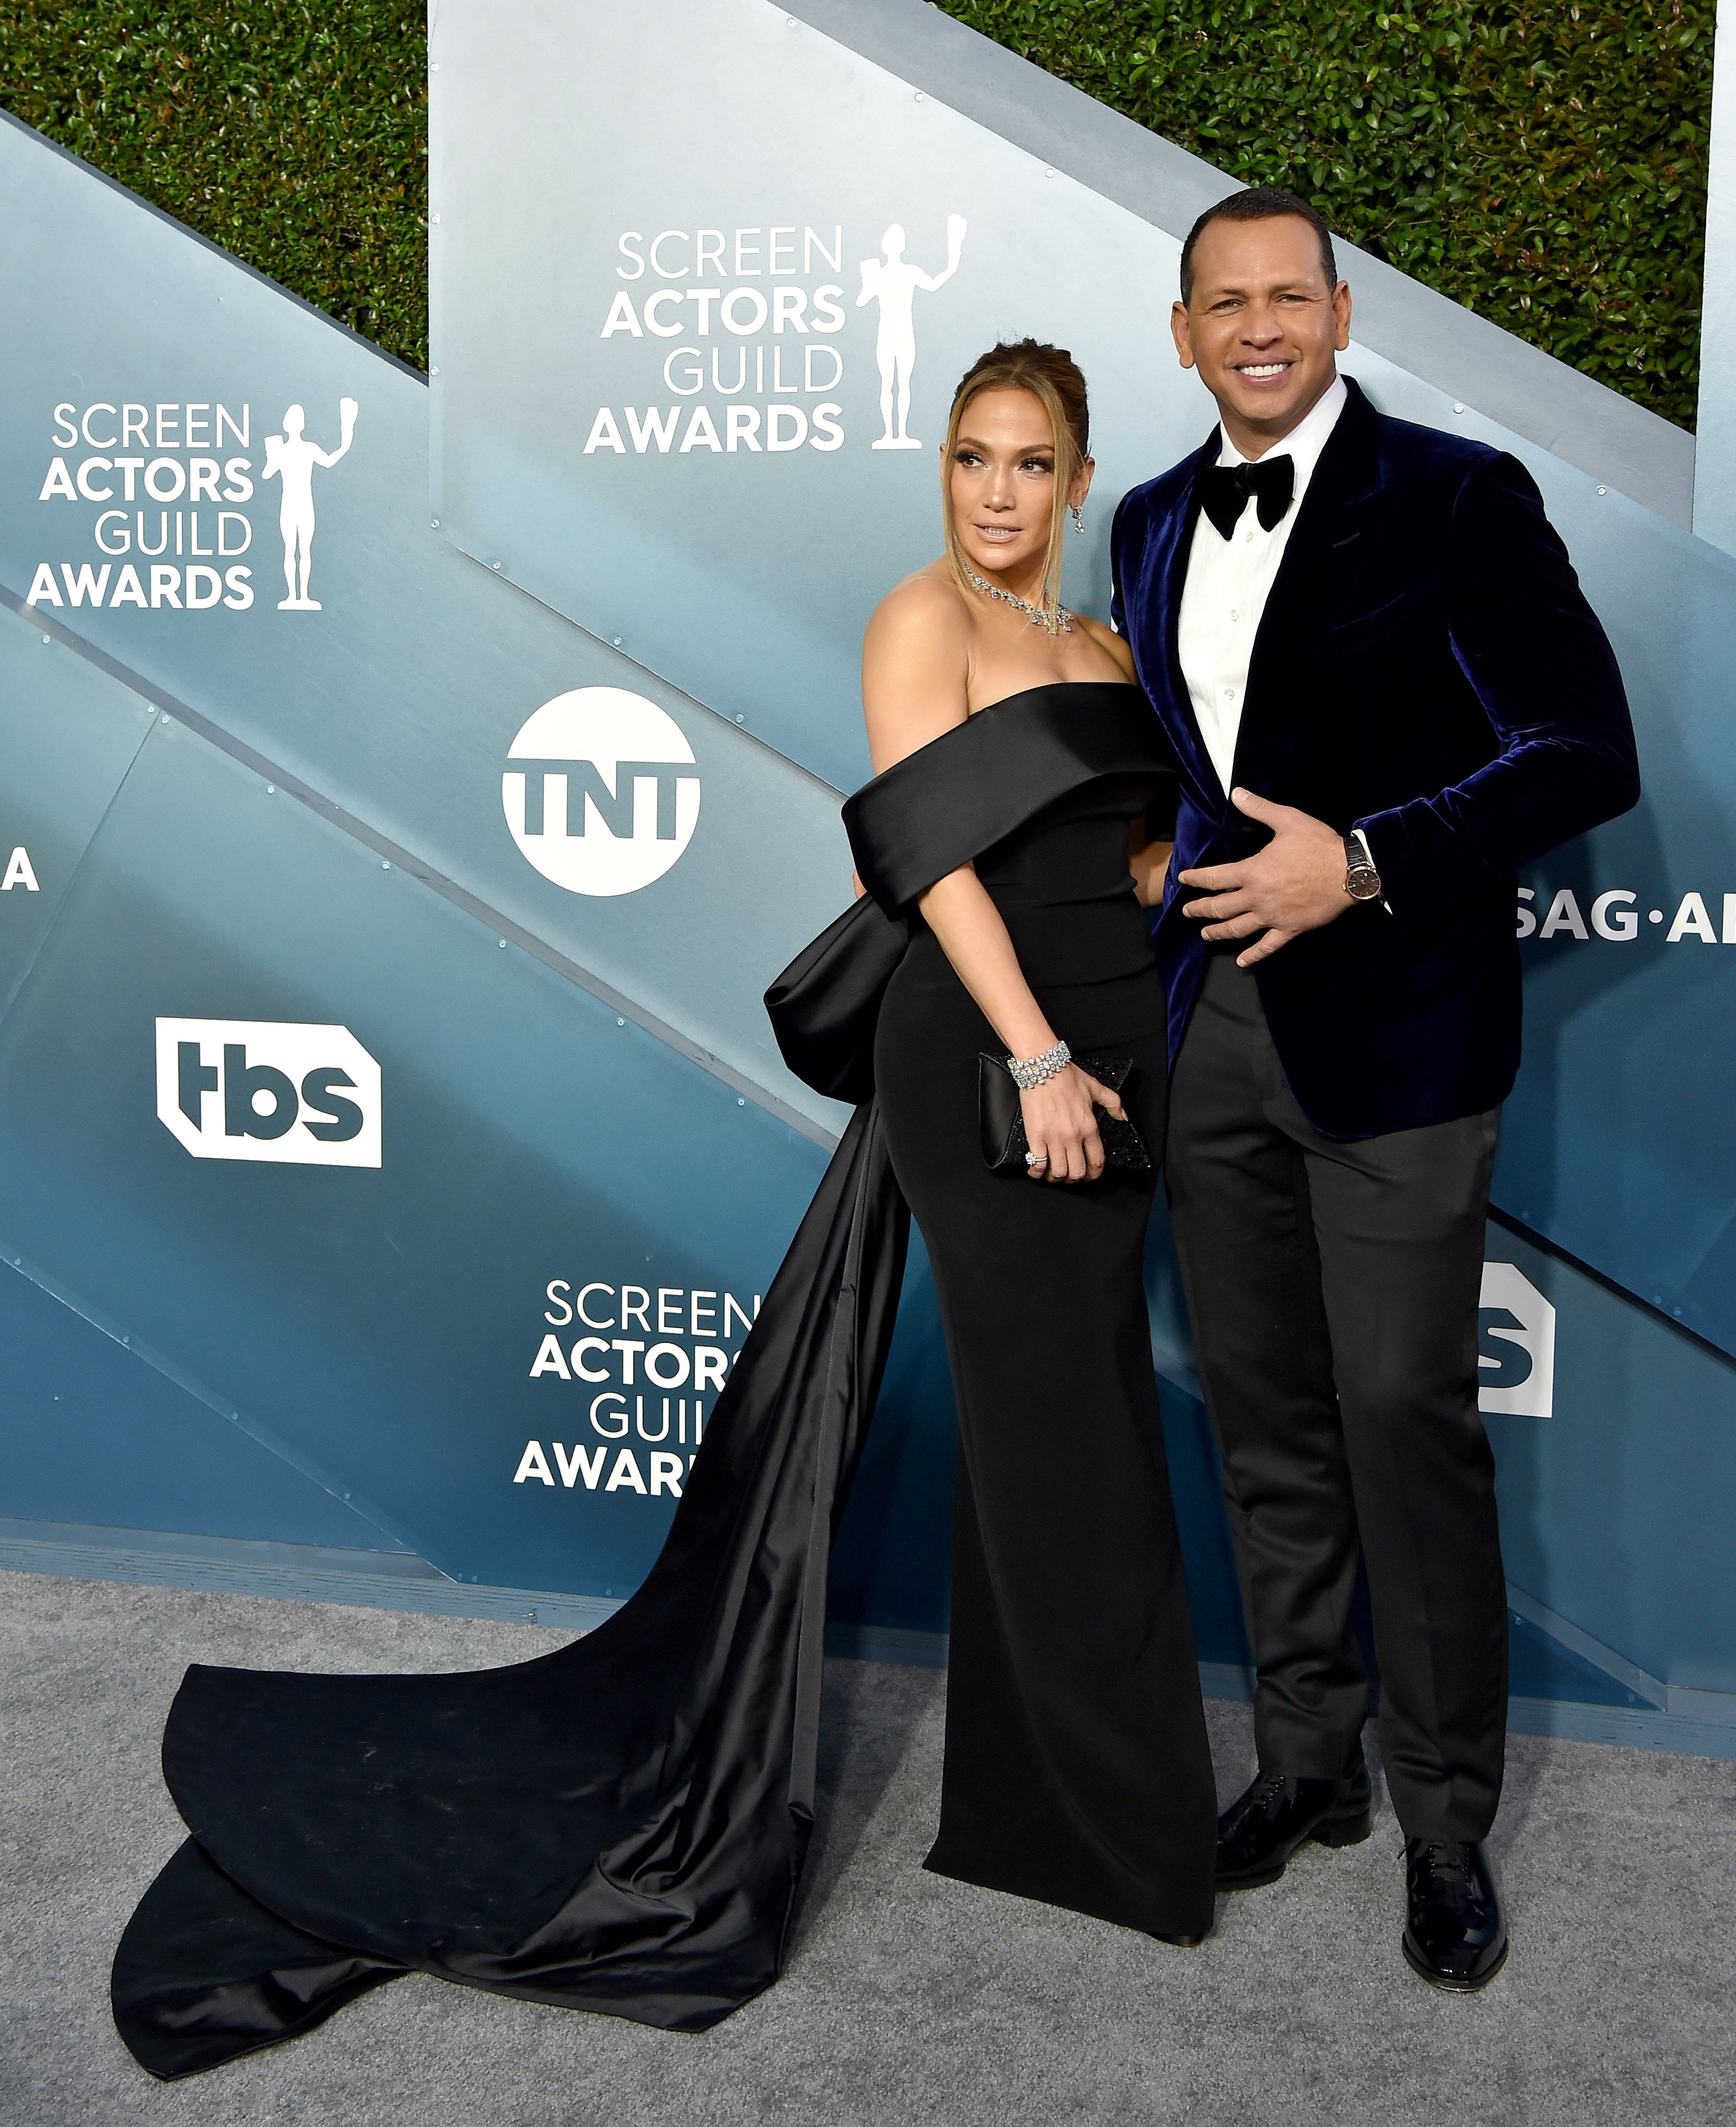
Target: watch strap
[{"x": 1361, "y": 879}]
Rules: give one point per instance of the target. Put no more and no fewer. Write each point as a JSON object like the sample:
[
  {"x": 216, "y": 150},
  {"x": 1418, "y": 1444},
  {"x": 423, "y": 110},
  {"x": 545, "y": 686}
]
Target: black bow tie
[{"x": 1225, "y": 491}]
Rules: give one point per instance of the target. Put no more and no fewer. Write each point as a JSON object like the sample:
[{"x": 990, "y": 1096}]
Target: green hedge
[
  {"x": 295, "y": 135},
  {"x": 1541, "y": 161}
]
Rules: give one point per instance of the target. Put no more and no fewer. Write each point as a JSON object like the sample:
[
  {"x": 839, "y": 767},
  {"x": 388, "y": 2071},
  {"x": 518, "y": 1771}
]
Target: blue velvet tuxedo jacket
[{"x": 1426, "y": 668}]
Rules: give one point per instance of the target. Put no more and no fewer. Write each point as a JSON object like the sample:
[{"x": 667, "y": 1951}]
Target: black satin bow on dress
[
  {"x": 1224, "y": 491},
  {"x": 619, "y": 1825}
]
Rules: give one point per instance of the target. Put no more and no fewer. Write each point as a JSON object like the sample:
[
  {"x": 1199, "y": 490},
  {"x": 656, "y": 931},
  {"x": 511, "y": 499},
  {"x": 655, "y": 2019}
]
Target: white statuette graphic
[
  {"x": 892, "y": 281},
  {"x": 609, "y": 796},
  {"x": 266, "y": 1089},
  {"x": 290, "y": 457},
  {"x": 1516, "y": 1334}
]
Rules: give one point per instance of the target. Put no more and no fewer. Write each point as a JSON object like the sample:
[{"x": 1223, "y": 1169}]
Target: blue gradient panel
[
  {"x": 381, "y": 1322},
  {"x": 89, "y": 1433},
  {"x": 398, "y": 701},
  {"x": 67, "y": 735},
  {"x": 1614, "y": 1512}
]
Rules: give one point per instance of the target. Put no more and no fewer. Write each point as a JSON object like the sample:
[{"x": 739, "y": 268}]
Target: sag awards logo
[
  {"x": 1516, "y": 1345},
  {"x": 607, "y": 797},
  {"x": 175, "y": 478},
  {"x": 635, "y": 1371},
  {"x": 892, "y": 282},
  {"x": 1614, "y": 917},
  {"x": 758, "y": 366},
  {"x": 264, "y": 1089},
  {"x": 290, "y": 458}
]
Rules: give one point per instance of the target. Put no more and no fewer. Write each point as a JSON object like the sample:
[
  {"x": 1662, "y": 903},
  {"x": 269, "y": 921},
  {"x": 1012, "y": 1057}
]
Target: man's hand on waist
[{"x": 1295, "y": 884}]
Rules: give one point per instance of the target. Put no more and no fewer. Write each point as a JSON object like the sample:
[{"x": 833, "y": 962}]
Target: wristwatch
[{"x": 1361, "y": 881}]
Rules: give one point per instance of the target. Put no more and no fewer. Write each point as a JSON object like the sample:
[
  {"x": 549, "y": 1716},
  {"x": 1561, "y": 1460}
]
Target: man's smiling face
[{"x": 1261, "y": 324}]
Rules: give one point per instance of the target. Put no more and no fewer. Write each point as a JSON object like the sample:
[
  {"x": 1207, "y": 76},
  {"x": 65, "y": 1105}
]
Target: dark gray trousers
[{"x": 1334, "y": 1288}]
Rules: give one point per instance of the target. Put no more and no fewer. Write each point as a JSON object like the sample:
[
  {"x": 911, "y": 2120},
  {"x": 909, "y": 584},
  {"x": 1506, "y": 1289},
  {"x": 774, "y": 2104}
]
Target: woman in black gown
[
  {"x": 620, "y": 1826},
  {"x": 1077, "y": 1768}
]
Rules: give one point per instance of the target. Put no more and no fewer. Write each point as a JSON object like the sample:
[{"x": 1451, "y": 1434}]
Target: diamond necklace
[{"x": 1037, "y": 614}]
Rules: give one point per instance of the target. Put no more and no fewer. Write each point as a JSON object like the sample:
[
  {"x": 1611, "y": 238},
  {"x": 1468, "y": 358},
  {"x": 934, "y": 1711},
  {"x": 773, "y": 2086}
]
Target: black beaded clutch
[{"x": 1001, "y": 1116}]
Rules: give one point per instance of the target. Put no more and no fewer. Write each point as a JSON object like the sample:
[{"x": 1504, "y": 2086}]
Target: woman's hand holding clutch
[{"x": 1063, "y": 1129}]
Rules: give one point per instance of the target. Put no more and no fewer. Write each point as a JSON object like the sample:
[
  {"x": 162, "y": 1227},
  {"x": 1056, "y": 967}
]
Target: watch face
[{"x": 1362, "y": 882}]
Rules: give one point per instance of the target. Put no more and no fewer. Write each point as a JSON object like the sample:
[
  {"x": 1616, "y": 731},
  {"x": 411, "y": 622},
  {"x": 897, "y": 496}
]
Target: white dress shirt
[{"x": 1228, "y": 583}]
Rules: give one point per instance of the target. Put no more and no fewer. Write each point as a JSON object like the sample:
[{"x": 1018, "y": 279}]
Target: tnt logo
[
  {"x": 609, "y": 796},
  {"x": 263, "y": 1089},
  {"x": 1516, "y": 1345}
]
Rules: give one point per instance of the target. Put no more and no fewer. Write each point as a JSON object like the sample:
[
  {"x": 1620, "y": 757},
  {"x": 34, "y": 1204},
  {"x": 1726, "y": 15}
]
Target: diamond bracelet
[{"x": 1038, "y": 1070}]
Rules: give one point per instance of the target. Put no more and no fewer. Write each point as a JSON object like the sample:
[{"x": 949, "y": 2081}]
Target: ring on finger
[{"x": 1036, "y": 1159}]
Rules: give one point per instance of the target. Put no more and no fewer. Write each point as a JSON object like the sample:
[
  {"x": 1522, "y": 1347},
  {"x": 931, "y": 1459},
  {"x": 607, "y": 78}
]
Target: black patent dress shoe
[
  {"x": 1258, "y": 1834},
  {"x": 1454, "y": 1934}
]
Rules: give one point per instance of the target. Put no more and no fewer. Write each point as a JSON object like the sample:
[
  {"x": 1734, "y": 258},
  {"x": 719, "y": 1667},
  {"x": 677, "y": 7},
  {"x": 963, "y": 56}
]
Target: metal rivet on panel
[
  {"x": 493, "y": 565},
  {"x": 621, "y": 1023},
  {"x": 615, "y": 640},
  {"x": 503, "y": 944},
  {"x": 920, "y": 98},
  {"x": 1603, "y": 490},
  {"x": 271, "y": 790},
  {"x": 741, "y": 1103},
  {"x": 741, "y": 720},
  {"x": 434, "y": 522},
  {"x": 165, "y": 720},
  {"x": 48, "y": 638},
  {"x": 384, "y": 866},
  {"x": 1457, "y": 408}
]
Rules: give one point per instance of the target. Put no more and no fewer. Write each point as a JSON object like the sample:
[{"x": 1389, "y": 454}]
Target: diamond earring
[{"x": 1078, "y": 517}]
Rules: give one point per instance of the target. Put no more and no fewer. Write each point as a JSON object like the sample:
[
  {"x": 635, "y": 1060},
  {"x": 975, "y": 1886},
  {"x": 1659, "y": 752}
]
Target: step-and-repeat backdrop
[{"x": 406, "y": 791}]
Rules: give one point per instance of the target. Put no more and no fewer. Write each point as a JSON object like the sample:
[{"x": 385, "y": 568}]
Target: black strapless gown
[
  {"x": 620, "y": 1826},
  {"x": 1077, "y": 1770}
]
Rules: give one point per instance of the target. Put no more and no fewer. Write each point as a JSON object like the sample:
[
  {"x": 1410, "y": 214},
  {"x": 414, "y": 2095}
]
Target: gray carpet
[{"x": 908, "y": 1998}]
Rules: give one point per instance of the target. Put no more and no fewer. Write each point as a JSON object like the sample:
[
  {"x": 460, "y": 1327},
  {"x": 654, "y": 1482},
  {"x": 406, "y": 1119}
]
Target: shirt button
[
  {"x": 1234, "y": 615},
  {"x": 1229, "y": 694}
]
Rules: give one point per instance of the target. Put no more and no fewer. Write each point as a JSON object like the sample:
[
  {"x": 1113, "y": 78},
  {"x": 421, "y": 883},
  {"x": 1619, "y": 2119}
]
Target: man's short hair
[{"x": 1260, "y": 203}]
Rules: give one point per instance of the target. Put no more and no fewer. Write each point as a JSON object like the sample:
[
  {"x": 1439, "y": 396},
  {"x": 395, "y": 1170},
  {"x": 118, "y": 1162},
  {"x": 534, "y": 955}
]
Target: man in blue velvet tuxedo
[{"x": 1387, "y": 693}]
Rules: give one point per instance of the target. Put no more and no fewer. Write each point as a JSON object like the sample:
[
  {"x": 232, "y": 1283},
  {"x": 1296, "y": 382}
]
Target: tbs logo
[
  {"x": 1516, "y": 1340},
  {"x": 262, "y": 1089}
]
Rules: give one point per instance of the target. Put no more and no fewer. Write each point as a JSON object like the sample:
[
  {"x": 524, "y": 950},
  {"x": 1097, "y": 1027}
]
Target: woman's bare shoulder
[
  {"x": 916, "y": 666},
  {"x": 927, "y": 610},
  {"x": 1105, "y": 638}
]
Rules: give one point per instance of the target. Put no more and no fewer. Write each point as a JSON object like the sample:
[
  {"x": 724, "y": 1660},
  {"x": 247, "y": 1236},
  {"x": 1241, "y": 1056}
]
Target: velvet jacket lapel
[
  {"x": 1170, "y": 568},
  {"x": 1327, "y": 547}
]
